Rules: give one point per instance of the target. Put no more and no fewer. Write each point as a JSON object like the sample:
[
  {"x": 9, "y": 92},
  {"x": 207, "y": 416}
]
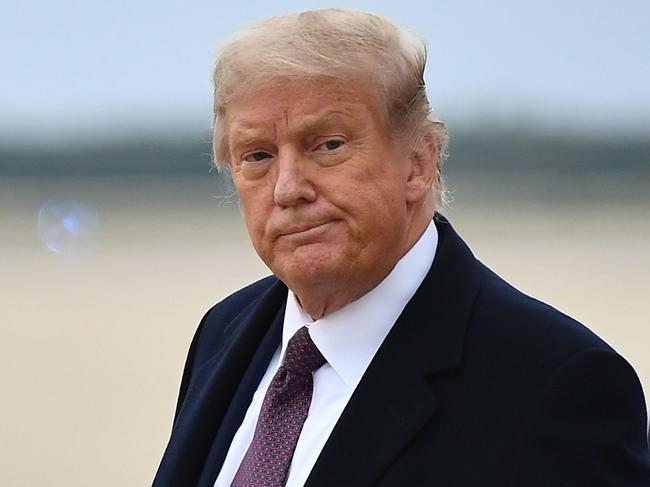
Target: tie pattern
[{"x": 282, "y": 416}]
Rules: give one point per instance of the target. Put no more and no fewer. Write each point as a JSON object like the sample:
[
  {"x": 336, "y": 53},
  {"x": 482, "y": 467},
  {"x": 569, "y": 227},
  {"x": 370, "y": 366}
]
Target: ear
[{"x": 423, "y": 162}]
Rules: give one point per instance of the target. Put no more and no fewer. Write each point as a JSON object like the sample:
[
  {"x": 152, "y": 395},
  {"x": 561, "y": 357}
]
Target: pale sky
[{"x": 81, "y": 68}]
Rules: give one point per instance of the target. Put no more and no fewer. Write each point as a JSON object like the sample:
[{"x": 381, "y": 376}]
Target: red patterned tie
[{"x": 282, "y": 416}]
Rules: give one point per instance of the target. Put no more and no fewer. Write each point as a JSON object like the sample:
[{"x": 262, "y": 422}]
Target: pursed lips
[{"x": 302, "y": 229}]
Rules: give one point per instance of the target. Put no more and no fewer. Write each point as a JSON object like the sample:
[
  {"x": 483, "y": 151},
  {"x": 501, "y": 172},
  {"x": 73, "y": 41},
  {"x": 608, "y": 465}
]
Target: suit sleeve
[{"x": 590, "y": 428}]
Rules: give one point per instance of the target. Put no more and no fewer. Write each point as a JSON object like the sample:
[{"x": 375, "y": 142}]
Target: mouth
[{"x": 306, "y": 230}]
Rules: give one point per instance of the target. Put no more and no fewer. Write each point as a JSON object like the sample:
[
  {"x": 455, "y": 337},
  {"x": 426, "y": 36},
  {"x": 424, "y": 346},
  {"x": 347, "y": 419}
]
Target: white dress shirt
[{"x": 348, "y": 339}]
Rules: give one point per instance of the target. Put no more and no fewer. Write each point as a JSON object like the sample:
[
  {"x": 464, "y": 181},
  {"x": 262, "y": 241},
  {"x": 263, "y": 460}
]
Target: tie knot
[{"x": 302, "y": 356}]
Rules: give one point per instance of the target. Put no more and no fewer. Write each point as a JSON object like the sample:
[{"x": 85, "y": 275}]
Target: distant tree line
[{"x": 495, "y": 149}]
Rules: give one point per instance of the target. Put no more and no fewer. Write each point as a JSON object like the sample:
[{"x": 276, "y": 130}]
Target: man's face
[{"x": 322, "y": 188}]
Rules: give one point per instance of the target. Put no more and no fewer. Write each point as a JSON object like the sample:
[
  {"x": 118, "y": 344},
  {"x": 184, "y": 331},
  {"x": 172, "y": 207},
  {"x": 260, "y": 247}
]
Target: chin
[{"x": 312, "y": 265}]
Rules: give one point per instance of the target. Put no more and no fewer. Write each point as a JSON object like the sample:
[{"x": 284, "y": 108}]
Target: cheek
[{"x": 378, "y": 204}]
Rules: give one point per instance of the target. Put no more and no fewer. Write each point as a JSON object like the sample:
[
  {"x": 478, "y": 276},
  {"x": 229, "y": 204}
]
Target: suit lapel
[
  {"x": 241, "y": 400},
  {"x": 396, "y": 396},
  {"x": 248, "y": 344}
]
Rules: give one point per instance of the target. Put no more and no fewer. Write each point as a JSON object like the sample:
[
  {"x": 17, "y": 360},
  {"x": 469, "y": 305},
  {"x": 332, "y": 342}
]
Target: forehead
[{"x": 296, "y": 103}]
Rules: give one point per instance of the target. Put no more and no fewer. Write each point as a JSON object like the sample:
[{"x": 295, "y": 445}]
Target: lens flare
[{"x": 66, "y": 226}]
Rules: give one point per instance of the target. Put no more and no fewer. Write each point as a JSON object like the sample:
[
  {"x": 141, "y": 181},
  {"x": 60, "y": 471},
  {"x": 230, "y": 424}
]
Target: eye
[
  {"x": 330, "y": 145},
  {"x": 257, "y": 156}
]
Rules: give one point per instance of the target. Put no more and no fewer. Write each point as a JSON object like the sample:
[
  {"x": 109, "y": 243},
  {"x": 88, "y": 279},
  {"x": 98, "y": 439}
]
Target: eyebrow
[
  {"x": 246, "y": 134},
  {"x": 246, "y": 137}
]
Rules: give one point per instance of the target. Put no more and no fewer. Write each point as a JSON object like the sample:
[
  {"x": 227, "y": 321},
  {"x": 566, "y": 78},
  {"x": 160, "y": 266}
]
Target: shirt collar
[{"x": 349, "y": 337}]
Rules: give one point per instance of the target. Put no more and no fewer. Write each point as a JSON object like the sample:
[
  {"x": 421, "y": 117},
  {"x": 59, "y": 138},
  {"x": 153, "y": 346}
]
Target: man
[{"x": 380, "y": 352}]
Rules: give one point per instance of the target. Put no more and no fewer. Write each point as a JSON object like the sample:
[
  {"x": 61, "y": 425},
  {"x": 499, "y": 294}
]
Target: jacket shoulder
[
  {"x": 572, "y": 405},
  {"x": 232, "y": 304},
  {"x": 536, "y": 336},
  {"x": 216, "y": 320}
]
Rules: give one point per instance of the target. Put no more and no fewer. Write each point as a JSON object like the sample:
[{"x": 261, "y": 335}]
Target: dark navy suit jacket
[{"x": 476, "y": 385}]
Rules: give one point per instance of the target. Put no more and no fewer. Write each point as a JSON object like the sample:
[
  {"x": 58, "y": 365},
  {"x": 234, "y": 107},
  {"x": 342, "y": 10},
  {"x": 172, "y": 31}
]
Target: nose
[{"x": 292, "y": 185}]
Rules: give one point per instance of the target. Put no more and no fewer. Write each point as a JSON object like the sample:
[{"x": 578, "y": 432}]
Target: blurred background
[{"x": 116, "y": 236}]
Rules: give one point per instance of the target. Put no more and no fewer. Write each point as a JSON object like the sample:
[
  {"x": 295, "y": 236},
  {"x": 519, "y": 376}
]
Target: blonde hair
[{"x": 339, "y": 44}]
